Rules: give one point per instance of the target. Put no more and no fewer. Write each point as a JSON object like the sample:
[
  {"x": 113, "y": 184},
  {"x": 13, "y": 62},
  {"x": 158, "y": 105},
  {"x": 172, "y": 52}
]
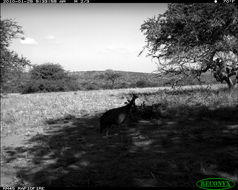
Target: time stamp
[
  {"x": 82, "y": 1},
  {"x": 44, "y": 1}
]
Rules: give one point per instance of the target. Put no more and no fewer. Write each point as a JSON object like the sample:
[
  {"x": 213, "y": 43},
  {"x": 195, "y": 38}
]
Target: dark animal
[{"x": 116, "y": 116}]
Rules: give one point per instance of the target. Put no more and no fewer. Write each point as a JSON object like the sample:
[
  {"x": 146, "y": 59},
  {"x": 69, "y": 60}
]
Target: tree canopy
[
  {"x": 11, "y": 64},
  {"x": 110, "y": 76},
  {"x": 188, "y": 37},
  {"x": 48, "y": 71},
  {"x": 49, "y": 77}
]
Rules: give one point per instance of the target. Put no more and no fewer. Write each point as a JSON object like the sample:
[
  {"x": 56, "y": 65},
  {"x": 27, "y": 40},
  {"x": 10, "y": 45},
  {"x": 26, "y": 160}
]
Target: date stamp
[{"x": 23, "y": 188}]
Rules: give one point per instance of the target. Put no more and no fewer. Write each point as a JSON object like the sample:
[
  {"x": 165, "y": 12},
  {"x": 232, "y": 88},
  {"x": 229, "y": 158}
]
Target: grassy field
[{"x": 174, "y": 138}]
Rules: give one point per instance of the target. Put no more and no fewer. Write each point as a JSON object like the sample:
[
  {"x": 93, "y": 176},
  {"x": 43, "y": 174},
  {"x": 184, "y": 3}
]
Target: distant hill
[{"x": 88, "y": 80}]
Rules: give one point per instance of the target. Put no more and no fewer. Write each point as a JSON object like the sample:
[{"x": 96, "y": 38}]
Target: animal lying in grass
[{"x": 116, "y": 116}]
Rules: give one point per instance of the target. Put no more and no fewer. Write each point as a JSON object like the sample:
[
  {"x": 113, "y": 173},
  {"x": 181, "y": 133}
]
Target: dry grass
[
  {"x": 22, "y": 112},
  {"x": 167, "y": 144}
]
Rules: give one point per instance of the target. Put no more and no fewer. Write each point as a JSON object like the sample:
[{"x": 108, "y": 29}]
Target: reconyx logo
[{"x": 215, "y": 183}]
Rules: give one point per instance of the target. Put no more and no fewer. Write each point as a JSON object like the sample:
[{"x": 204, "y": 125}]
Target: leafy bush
[
  {"x": 91, "y": 86},
  {"x": 44, "y": 86},
  {"x": 49, "y": 78},
  {"x": 122, "y": 85},
  {"x": 142, "y": 83},
  {"x": 48, "y": 71}
]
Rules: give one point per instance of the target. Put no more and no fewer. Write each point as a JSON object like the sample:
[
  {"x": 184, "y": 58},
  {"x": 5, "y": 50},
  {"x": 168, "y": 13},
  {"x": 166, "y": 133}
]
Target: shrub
[
  {"x": 91, "y": 86},
  {"x": 142, "y": 83},
  {"x": 49, "y": 78}
]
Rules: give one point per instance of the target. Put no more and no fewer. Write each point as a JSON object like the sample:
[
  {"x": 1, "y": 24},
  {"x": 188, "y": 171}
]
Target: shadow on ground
[{"x": 172, "y": 151}]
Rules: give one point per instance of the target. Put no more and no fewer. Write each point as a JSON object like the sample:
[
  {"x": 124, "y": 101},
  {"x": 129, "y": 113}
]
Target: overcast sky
[{"x": 84, "y": 37}]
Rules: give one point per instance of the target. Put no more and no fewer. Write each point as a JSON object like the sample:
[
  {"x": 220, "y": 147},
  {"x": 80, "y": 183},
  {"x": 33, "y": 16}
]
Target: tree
[
  {"x": 110, "y": 76},
  {"x": 49, "y": 77},
  {"x": 11, "y": 64},
  {"x": 188, "y": 39},
  {"x": 48, "y": 71}
]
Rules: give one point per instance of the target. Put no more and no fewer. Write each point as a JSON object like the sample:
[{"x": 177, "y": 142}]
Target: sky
[{"x": 84, "y": 37}]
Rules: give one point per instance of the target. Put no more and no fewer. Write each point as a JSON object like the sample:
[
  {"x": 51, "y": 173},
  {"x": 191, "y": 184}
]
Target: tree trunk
[{"x": 229, "y": 83}]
